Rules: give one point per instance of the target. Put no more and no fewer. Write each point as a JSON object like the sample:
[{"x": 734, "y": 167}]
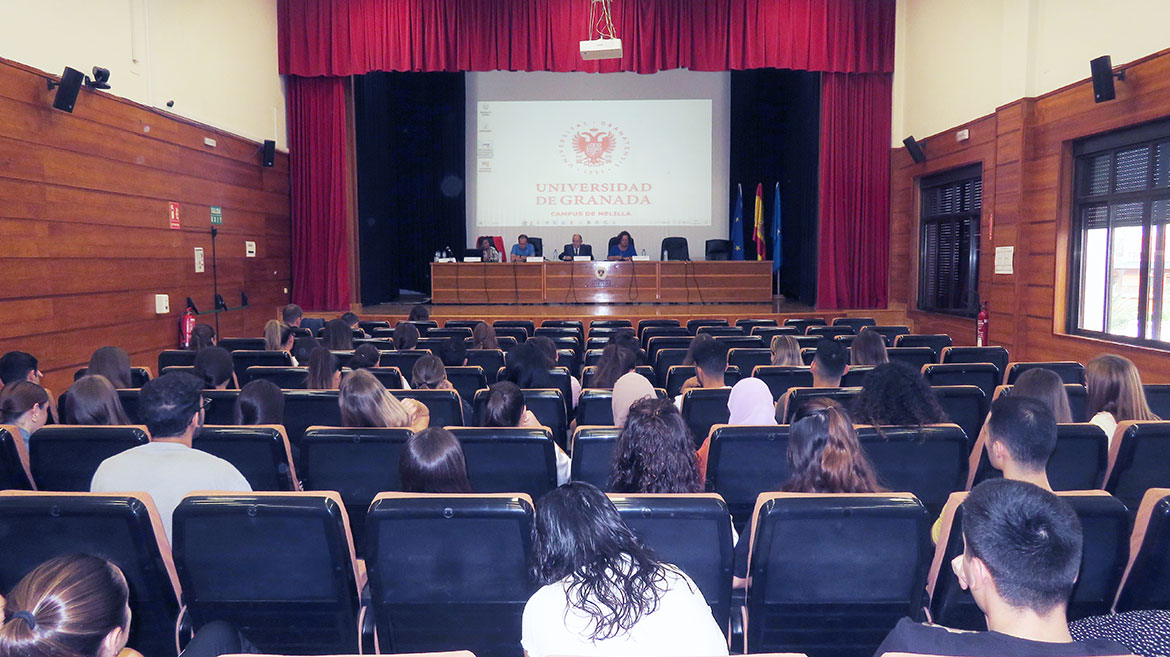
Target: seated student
[
  {"x": 1046, "y": 387},
  {"x": 365, "y": 355},
  {"x": 522, "y": 249},
  {"x": 828, "y": 366},
  {"x": 338, "y": 335},
  {"x": 1020, "y": 562},
  {"x": 710, "y": 368},
  {"x": 432, "y": 462},
  {"x": 405, "y": 336},
  {"x": 279, "y": 337},
  {"x": 506, "y": 408},
  {"x": 786, "y": 351},
  {"x": 214, "y": 366},
  {"x": 576, "y": 248},
  {"x": 868, "y": 348},
  {"x": 623, "y": 249},
  {"x": 614, "y": 362},
  {"x": 352, "y": 320},
  {"x": 202, "y": 337},
  {"x": 530, "y": 362},
  {"x": 602, "y": 592},
  {"x": 324, "y": 370},
  {"x": 483, "y": 336},
  {"x": 112, "y": 363},
  {"x": 365, "y": 402},
  {"x": 1144, "y": 632},
  {"x": 1115, "y": 393},
  {"x": 19, "y": 366},
  {"x": 291, "y": 315},
  {"x": 626, "y": 339},
  {"x": 260, "y": 402},
  {"x": 630, "y": 388},
  {"x": 750, "y": 404},
  {"x": 167, "y": 467},
  {"x": 429, "y": 374},
  {"x": 453, "y": 352},
  {"x": 419, "y": 313},
  {"x": 895, "y": 393},
  {"x": 93, "y": 400},
  {"x": 26, "y": 405},
  {"x": 655, "y": 452},
  {"x": 302, "y": 349}
]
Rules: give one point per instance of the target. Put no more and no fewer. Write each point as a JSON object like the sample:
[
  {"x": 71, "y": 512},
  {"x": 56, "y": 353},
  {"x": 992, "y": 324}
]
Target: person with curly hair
[
  {"x": 896, "y": 394},
  {"x": 654, "y": 453},
  {"x": 602, "y": 592}
]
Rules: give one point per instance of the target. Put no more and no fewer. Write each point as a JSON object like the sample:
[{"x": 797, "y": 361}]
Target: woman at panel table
[
  {"x": 624, "y": 249},
  {"x": 490, "y": 254}
]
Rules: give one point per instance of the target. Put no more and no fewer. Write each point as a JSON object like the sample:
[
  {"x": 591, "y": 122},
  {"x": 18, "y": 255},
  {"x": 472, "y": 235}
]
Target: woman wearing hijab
[
  {"x": 629, "y": 388},
  {"x": 749, "y": 404}
]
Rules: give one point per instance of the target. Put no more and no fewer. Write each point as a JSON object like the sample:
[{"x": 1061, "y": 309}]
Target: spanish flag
[{"x": 758, "y": 232}]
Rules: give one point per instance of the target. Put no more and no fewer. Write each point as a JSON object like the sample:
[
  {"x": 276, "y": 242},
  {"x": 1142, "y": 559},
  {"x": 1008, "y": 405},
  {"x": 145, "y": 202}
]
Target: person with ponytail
[{"x": 26, "y": 405}]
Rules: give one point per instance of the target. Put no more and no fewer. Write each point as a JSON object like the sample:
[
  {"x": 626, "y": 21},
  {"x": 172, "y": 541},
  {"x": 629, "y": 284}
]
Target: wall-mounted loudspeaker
[
  {"x": 269, "y": 157},
  {"x": 915, "y": 150},
  {"x": 67, "y": 88},
  {"x": 1102, "y": 70}
]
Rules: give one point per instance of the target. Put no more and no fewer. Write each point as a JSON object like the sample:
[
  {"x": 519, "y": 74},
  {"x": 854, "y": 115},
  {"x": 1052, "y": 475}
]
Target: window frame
[{"x": 963, "y": 173}]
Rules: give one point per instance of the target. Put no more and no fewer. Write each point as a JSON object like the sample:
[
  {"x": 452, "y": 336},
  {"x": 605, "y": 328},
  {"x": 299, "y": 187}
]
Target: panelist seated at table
[
  {"x": 487, "y": 249},
  {"x": 522, "y": 249},
  {"x": 576, "y": 248},
  {"x": 623, "y": 249}
]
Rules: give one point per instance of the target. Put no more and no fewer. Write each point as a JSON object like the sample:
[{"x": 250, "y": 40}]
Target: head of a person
[
  {"x": 453, "y": 352},
  {"x": 654, "y": 452},
  {"x": 303, "y": 348},
  {"x": 751, "y": 403},
  {"x": 419, "y": 313},
  {"x": 292, "y": 314},
  {"x": 711, "y": 363},
  {"x": 577, "y": 241},
  {"x": 624, "y": 239},
  {"x": 324, "y": 370},
  {"x": 896, "y": 393},
  {"x": 1046, "y": 387},
  {"x": 522, "y": 240},
  {"x": 69, "y": 606},
  {"x": 528, "y": 364},
  {"x": 19, "y": 366},
  {"x": 351, "y": 319},
  {"x": 93, "y": 400},
  {"x": 830, "y": 362},
  {"x": 1115, "y": 387},
  {"x": 824, "y": 455},
  {"x": 202, "y": 337},
  {"x": 365, "y": 403},
  {"x": 868, "y": 348},
  {"x": 505, "y": 405},
  {"x": 171, "y": 406},
  {"x": 112, "y": 363},
  {"x": 338, "y": 335},
  {"x": 24, "y": 403},
  {"x": 614, "y": 362},
  {"x": 214, "y": 366},
  {"x": 405, "y": 336},
  {"x": 1020, "y": 430},
  {"x": 626, "y": 339},
  {"x": 429, "y": 374},
  {"x": 546, "y": 347},
  {"x": 786, "y": 351},
  {"x": 483, "y": 336},
  {"x": 629, "y": 388},
  {"x": 696, "y": 342},
  {"x": 277, "y": 336},
  {"x": 432, "y": 462},
  {"x": 578, "y": 535},
  {"x": 484, "y": 242},
  {"x": 1022, "y": 547},
  {"x": 260, "y": 402},
  {"x": 366, "y": 355}
]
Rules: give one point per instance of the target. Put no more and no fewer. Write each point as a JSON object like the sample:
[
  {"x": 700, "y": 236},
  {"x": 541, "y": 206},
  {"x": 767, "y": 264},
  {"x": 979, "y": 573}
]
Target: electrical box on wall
[{"x": 162, "y": 304}]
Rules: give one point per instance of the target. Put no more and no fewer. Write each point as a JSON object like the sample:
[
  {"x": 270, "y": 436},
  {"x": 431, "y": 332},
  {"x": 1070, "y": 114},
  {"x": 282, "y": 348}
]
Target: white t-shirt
[
  {"x": 1108, "y": 424},
  {"x": 681, "y": 626},
  {"x": 168, "y": 472}
]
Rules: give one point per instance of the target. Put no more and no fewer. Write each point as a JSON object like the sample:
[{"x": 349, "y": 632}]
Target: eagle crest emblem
[{"x": 594, "y": 147}]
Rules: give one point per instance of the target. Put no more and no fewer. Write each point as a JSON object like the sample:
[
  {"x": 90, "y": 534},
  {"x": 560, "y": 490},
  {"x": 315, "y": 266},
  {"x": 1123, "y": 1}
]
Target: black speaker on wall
[
  {"x": 1102, "y": 70},
  {"x": 67, "y": 88},
  {"x": 269, "y": 156},
  {"x": 915, "y": 149}
]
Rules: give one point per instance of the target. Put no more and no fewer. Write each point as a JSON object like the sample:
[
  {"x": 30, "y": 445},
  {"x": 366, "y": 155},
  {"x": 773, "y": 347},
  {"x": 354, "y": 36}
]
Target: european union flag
[
  {"x": 737, "y": 228},
  {"x": 776, "y": 255}
]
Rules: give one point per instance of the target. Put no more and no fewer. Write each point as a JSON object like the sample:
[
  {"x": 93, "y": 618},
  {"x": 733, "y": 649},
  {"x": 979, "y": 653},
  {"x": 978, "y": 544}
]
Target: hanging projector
[{"x": 601, "y": 49}]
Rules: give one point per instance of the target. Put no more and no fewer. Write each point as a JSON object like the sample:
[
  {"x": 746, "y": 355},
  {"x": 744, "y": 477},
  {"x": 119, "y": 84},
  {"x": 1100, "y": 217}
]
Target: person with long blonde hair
[
  {"x": 1115, "y": 393},
  {"x": 786, "y": 351},
  {"x": 365, "y": 402}
]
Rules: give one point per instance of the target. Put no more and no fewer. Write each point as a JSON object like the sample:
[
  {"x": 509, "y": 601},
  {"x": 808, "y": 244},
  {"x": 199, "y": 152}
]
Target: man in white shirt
[{"x": 167, "y": 467}]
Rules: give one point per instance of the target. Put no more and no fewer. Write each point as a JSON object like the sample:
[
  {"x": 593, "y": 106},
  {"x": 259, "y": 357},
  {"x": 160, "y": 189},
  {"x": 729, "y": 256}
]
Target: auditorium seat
[
  {"x": 802, "y": 325},
  {"x": 261, "y": 453},
  {"x": 596, "y": 342},
  {"x": 63, "y": 457},
  {"x": 966, "y": 406},
  {"x": 507, "y": 342},
  {"x": 1139, "y": 459},
  {"x": 595, "y": 407},
  {"x": 268, "y": 562},
  {"x": 174, "y": 369},
  {"x": 563, "y": 323},
  {"x": 1105, "y": 525},
  {"x": 741, "y": 341},
  {"x": 424, "y": 326},
  {"x": 1069, "y": 371},
  {"x": 382, "y": 344},
  {"x": 558, "y": 378},
  {"x": 985, "y": 376},
  {"x": 369, "y": 326},
  {"x": 171, "y": 357},
  {"x": 491, "y": 360},
  {"x": 382, "y": 333},
  {"x": 138, "y": 375},
  {"x": 644, "y": 324},
  {"x": 1158, "y": 398},
  {"x": 562, "y": 336},
  {"x": 693, "y": 325},
  {"x": 444, "y": 405},
  {"x": 610, "y": 323},
  {"x": 466, "y": 380},
  {"x": 746, "y": 360},
  {"x": 245, "y": 358},
  {"x": 436, "y": 345},
  {"x": 462, "y": 333},
  {"x": 855, "y": 375},
  {"x": 677, "y": 375},
  {"x": 588, "y": 371},
  {"x": 547, "y": 404},
  {"x": 997, "y": 356},
  {"x": 509, "y": 460},
  {"x": 124, "y": 528},
  {"x": 675, "y": 248},
  {"x": 221, "y": 408},
  {"x": 829, "y": 331},
  {"x": 593, "y": 454},
  {"x": 242, "y": 344},
  {"x": 1079, "y": 461},
  {"x": 1146, "y": 583},
  {"x": 306, "y": 408},
  {"x": 343, "y": 356},
  {"x": 744, "y": 461},
  {"x": 831, "y": 574},
  {"x": 702, "y": 408},
  {"x": 936, "y": 342},
  {"x": 691, "y": 531},
  {"x": 1078, "y": 399},
  {"x": 661, "y": 331},
  {"x": 569, "y": 359},
  {"x": 717, "y": 249},
  {"x": 666, "y": 359},
  {"x": 404, "y": 360},
  {"x": 855, "y": 323},
  {"x": 807, "y": 354},
  {"x": 287, "y": 378},
  {"x": 311, "y": 324},
  {"x": 798, "y": 396},
  {"x": 782, "y": 377},
  {"x": 716, "y": 331},
  {"x": 915, "y": 357},
  {"x": 768, "y": 332},
  {"x": 891, "y": 332},
  {"x": 528, "y": 325},
  {"x": 14, "y": 472},
  {"x": 748, "y": 324},
  {"x": 517, "y": 333},
  {"x": 807, "y": 341},
  {"x": 928, "y": 461},
  {"x": 449, "y": 571},
  {"x": 847, "y": 340},
  {"x": 389, "y": 377}
]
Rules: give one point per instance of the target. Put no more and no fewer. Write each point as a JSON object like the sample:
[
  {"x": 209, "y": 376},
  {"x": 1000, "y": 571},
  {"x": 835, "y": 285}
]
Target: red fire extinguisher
[
  {"x": 186, "y": 325},
  {"x": 981, "y": 326}
]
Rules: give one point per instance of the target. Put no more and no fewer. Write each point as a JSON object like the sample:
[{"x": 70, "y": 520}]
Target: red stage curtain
[
  {"x": 320, "y": 252},
  {"x": 352, "y": 37},
  {"x": 854, "y": 191}
]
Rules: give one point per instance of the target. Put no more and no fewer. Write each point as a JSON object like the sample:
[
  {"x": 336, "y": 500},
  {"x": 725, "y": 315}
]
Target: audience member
[
  {"x": 432, "y": 462},
  {"x": 366, "y": 355},
  {"x": 202, "y": 337},
  {"x": 483, "y": 336},
  {"x": 430, "y": 374},
  {"x": 338, "y": 335},
  {"x": 291, "y": 315},
  {"x": 453, "y": 352},
  {"x": 750, "y": 404},
  {"x": 324, "y": 370},
  {"x": 626, "y": 339},
  {"x": 654, "y": 453},
  {"x": 279, "y": 337},
  {"x": 710, "y": 368},
  {"x": 629, "y": 388},
  {"x": 786, "y": 351},
  {"x": 302, "y": 349},
  {"x": 1144, "y": 632},
  {"x": 868, "y": 348},
  {"x": 602, "y": 592},
  {"x": 1046, "y": 387},
  {"x": 365, "y": 402},
  {"x": 614, "y": 362},
  {"x": 260, "y": 402},
  {"x": 895, "y": 393},
  {"x": 112, "y": 363},
  {"x": 214, "y": 366},
  {"x": 829, "y": 364},
  {"x": 696, "y": 342},
  {"x": 506, "y": 408},
  {"x": 93, "y": 400},
  {"x": 1115, "y": 393},
  {"x": 1020, "y": 436},
  {"x": 26, "y": 405},
  {"x": 1020, "y": 562},
  {"x": 167, "y": 467},
  {"x": 19, "y": 366},
  {"x": 419, "y": 313},
  {"x": 354, "y": 322},
  {"x": 529, "y": 364},
  {"x": 405, "y": 336}
]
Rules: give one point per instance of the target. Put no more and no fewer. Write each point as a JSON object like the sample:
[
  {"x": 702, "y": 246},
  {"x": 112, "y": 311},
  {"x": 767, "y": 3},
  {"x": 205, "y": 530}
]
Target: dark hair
[
  {"x": 1029, "y": 539},
  {"x": 93, "y": 400},
  {"x": 625, "y": 233},
  {"x": 350, "y": 318},
  {"x": 260, "y": 402},
  {"x": 868, "y": 348},
  {"x": 323, "y": 364},
  {"x": 291, "y": 313},
  {"x": 18, "y": 398},
  {"x": 522, "y": 237},
  {"x": 505, "y": 405},
  {"x": 75, "y": 602},
  {"x": 1046, "y": 387},
  {"x": 453, "y": 352},
  {"x": 405, "y": 336},
  {"x": 166, "y": 404},
  {"x": 579, "y": 536},
  {"x": 1115, "y": 387},
  {"x": 654, "y": 452},
  {"x": 419, "y": 313},
  {"x": 112, "y": 363},
  {"x": 482, "y": 238},
  {"x": 614, "y": 362},
  {"x": 830, "y": 358},
  {"x": 366, "y": 355},
  {"x": 696, "y": 342},
  {"x": 546, "y": 347},
  {"x": 432, "y": 462},
  {"x": 626, "y": 339},
  {"x": 428, "y": 373},
  {"x": 711, "y": 357},
  {"x": 528, "y": 365},
  {"x": 214, "y": 365},
  {"x": 202, "y": 337},
  {"x": 338, "y": 335},
  {"x": 15, "y": 366},
  {"x": 824, "y": 455},
  {"x": 303, "y": 348},
  {"x": 895, "y": 393},
  {"x": 1026, "y": 428},
  {"x": 483, "y": 336}
]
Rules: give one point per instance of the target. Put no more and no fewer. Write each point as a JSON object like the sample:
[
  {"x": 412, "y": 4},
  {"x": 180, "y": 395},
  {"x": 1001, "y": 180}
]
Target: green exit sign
[{"x": 216, "y": 214}]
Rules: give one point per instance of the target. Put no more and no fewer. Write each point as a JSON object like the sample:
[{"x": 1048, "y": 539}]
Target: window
[
  {"x": 1121, "y": 207},
  {"x": 948, "y": 276}
]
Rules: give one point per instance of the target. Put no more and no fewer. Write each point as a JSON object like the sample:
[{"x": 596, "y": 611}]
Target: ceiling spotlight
[{"x": 101, "y": 78}]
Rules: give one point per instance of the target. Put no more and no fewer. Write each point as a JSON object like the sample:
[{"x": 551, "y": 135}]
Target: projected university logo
[{"x": 594, "y": 146}]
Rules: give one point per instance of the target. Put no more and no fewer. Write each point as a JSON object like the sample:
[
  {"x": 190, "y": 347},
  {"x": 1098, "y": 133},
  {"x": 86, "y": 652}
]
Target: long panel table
[{"x": 671, "y": 281}]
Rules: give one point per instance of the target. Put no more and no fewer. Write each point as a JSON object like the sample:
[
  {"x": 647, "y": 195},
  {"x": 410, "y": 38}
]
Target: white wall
[
  {"x": 957, "y": 60},
  {"x": 216, "y": 59}
]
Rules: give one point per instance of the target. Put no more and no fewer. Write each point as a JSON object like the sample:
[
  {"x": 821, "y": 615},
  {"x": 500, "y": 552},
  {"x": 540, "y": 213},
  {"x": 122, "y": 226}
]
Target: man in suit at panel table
[{"x": 576, "y": 249}]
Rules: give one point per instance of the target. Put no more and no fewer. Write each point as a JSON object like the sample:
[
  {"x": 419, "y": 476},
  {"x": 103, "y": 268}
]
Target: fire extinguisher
[
  {"x": 981, "y": 326},
  {"x": 186, "y": 325}
]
